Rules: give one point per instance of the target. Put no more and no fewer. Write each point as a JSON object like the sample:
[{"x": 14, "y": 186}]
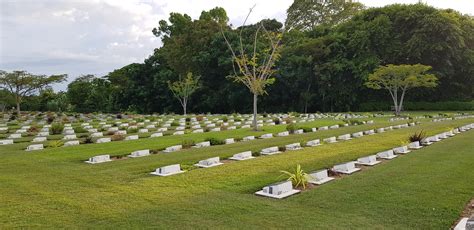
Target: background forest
[{"x": 324, "y": 61}]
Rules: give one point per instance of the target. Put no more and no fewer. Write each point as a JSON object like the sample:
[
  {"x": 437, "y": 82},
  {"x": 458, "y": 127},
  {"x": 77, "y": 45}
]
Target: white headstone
[
  {"x": 173, "y": 148},
  {"x": 278, "y": 190},
  {"x": 71, "y": 143},
  {"x": 388, "y": 155},
  {"x": 168, "y": 170},
  {"x": 346, "y": 168},
  {"x": 210, "y": 162},
  {"x": 270, "y": 151},
  {"x": 34, "y": 147},
  {"x": 242, "y": 156},
  {"x": 319, "y": 177},
  {"x": 140, "y": 153},
  {"x": 99, "y": 159},
  {"x": 369, "y": 160}
]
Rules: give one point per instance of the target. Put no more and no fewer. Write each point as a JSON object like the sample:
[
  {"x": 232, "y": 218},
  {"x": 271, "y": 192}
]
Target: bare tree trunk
[
  {"x": 255, "y": 128},
  {"x": 400, "y": 103},
  {"x": 18, "y": 105}
]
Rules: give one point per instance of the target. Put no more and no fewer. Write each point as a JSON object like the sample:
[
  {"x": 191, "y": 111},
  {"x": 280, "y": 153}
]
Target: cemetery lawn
[{"x": 426, "y": 189}]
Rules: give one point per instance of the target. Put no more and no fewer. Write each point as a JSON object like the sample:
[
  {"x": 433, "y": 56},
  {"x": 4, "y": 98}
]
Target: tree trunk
[
  {"x": 255, "y": 128},
  {"x": 400, "y": 103},
  {"x": 184, "y": 104},
  {"x": 18, "y": 106}
]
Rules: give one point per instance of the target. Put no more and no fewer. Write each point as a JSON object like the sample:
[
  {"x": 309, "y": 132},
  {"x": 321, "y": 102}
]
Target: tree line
[{"x": 325, "y": 55}]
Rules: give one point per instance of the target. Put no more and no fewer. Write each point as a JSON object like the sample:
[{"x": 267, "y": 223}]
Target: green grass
[{"x": 426, "y": 189}]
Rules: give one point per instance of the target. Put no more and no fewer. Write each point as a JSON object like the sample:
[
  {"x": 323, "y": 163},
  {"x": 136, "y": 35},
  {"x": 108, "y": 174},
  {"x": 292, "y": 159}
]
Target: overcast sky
[{"x": 97, "y": 36}]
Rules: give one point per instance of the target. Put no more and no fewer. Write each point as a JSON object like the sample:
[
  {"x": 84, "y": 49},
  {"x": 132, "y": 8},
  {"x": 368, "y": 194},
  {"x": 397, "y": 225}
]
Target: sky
[{"x": 78, "y": 37}]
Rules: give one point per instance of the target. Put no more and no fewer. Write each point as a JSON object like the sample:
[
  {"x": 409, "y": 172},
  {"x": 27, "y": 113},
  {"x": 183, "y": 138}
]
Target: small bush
[
  {"x": 50, "y": 119},
  {"x": 57, "y": 128},
  {"x": 88, "y": 140},
  {"x": 237, "y": 120},
  {"x": 237, "y": 139},
  {"x": 417, "y": 136},
  {"x": 199, "y": 118},
  {"x": 174, "y": 123},
  {"x": 188, "y": 119},
  {"x": 298, "y": 178},
  {"x": 291, "y": 128},
  {"x": 119, "y": 116},
  {"x": 33, "y": 129},
  {"x": 276, "y": 121},
  {"x": 187, "y": 143},
  {"x": 256, "y": 154},
  {"x": 117, "y": 137},
  {"x": 353, "y": 122},
  {"x": 132, "y": 130},
  {"x": 225, "y": 119},
  {"x": 215, "y": 141},
  {"x": 55, "y": 144},
  {"x": 79, "y": 129},
  {"x": 307, "y": 129}
]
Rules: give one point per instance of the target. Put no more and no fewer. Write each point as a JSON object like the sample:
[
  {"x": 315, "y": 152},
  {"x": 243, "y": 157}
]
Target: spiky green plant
[
  {"x": 55, "y": 144},
  {"x": 298, "y": 178},
  {"x": 417, "y": 136}
]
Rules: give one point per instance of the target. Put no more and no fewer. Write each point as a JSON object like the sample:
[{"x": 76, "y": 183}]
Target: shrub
[
  {"x": 33, "y": 129},
  {"x": 187, "y": 143},
  {"x": 199, "y": 118},
  {"x": 174, "y": 123},
  {"x": 215, "y": 141},
  {"x": 276, "y": 121},
  {"x": 88, "y": 140},
  {"x": 79, "y": 129},
  {"x": 291, "y": 128},
  {"x": 417, "y": 136},
  {"x": 55, "y": 144},
  {"x": 298, "y": 178},
  {"x": 307, "y": 129},
  {"x": 353, "y": 122},
  {"x": 237, "y": 120},
  {"x": 119, "y": 116},
  {"x": 117, "y": 137},
  {"x": 50, "y": 119},
  {"x": 256, "y": 154},
  {"x": 237, "y": 139},
  {"x": 57, "y": 128},
  {"x": 83, "y": 135},
  {"x": 225, "y": 119},
  {"x": 132, "y": 130},
  {"x": 188, "y": 119}
]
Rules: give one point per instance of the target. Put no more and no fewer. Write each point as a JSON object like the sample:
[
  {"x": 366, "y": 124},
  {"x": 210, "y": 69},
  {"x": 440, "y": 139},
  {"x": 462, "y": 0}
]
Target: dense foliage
[{"x": 322, "y": 67}]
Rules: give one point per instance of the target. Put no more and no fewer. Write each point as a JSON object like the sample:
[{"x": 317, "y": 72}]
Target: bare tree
[{"x": 255, "y": 70}]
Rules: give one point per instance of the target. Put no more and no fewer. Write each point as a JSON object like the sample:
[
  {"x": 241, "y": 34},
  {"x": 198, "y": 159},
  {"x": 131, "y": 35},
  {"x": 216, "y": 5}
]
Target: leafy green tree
[
  {"x": 307, "y": 14},
  {"x": 398, "y": 79},
  {"x": 184, "y": 88},
  {"x": 22, "y": 83}
]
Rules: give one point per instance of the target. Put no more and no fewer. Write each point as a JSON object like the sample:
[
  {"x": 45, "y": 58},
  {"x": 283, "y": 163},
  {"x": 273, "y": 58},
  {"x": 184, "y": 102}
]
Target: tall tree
[
  {"x": 307, "y": 14},
  {"x": 397, "y": 79},
  {"x": 22, "y": 83},
  {"x": 184, "y": 88},
  {"x": 256, "y": 66}
]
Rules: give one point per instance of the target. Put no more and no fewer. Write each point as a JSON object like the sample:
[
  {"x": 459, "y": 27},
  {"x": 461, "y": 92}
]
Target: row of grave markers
[
  {"x": 175, "y": 148},
  {"x": 284, "y": 189},
  {"x": 69, "y": 134}
]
